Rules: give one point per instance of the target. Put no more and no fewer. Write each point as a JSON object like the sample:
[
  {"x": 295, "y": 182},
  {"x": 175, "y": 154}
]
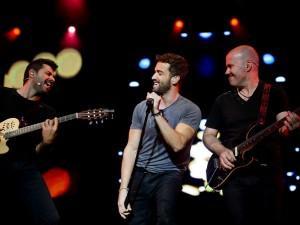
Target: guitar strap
[{"x": 264, "y": 104}]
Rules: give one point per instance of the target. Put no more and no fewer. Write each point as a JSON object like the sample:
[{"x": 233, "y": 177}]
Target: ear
[
  {"x": 31, "y": 73},
  {"x": 175, "y": 79},
  {"x": 248, "y": 66}
]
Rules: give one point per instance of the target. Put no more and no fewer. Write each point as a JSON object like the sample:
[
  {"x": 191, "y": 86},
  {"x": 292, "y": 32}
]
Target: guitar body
[
  {"x": 6, "y": 126},
  {"x": 217, "y": 177}
]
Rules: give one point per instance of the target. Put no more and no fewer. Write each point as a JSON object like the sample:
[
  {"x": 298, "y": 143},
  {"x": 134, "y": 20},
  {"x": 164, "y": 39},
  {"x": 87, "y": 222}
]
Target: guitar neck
[
  {"x": 38, "y": 126},
  {"x": 252, "y": 141}
]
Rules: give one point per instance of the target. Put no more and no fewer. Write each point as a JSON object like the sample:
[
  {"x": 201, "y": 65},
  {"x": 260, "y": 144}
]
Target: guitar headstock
[{"x": 95, "y": 115}]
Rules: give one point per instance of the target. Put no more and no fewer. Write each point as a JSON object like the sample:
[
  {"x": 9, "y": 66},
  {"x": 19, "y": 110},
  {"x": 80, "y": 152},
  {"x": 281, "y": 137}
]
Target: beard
[{"x": 162, "y": 88}]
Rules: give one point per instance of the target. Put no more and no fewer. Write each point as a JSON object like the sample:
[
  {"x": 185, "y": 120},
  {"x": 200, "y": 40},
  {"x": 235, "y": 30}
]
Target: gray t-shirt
[{"x": 155, "y": 154}]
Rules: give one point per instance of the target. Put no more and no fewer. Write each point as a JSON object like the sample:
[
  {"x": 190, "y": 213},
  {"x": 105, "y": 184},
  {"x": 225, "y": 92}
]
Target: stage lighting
[
  {"x": 134, "y": 84},
  {"x": 280, "y": 79},
  {"x": 205, "y": 35},
  {"x": 268, "y": 58},
  {"x": 144, "y": 63}
]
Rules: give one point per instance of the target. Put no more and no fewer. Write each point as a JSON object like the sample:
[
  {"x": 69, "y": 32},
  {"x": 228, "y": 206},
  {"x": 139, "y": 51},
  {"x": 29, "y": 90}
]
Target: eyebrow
[
  {"x": 48, "y": 72},
  {"x": 158, "y": 70}
]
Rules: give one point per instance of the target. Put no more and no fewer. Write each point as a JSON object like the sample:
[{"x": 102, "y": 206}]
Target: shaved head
[{"x": 245, "y": 53}]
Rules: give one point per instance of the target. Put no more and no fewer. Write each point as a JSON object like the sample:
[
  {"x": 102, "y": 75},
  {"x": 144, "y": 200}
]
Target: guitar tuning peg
[{"x": 91, "y": 122}]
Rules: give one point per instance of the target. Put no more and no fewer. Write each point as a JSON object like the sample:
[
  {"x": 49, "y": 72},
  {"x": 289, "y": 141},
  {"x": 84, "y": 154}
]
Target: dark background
[{"x": 113, "y": 40}]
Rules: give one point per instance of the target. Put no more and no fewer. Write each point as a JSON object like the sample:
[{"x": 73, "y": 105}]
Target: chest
[{"x": 27, "y": 112}]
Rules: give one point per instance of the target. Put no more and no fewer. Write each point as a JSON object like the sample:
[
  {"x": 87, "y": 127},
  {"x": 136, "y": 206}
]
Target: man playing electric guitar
[{"x": 253, "y": 193}]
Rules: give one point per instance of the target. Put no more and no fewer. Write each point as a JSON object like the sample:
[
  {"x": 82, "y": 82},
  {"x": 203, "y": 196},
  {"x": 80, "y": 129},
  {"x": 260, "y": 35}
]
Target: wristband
[
  {"x": 159, "y": 113},
  {"x": 127, "y": 189}
]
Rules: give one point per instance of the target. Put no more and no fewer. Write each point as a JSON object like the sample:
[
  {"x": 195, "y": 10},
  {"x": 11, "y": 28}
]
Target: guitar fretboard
[
  {"x": 250, "y": 142},
  {"x": 38, "y": 126}
]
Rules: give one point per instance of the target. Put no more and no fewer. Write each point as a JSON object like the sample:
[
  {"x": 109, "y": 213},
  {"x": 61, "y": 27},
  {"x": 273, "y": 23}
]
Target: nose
[
  {"x": 227, "y": 71},
  {"x": 154, "y": 76},
  {"x": 52, "y": 78}
]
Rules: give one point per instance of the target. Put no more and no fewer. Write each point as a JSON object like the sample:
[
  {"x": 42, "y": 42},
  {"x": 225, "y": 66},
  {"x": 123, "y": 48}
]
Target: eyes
[
  {"x": 50, "y": 74},
  {"x": 229, "y": 66}
]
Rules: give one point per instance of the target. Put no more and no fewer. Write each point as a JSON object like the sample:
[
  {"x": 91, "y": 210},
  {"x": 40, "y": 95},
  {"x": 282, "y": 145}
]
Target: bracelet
[
  {"x": 127, "y": 189},
  {"x": 157, "y": 114}
]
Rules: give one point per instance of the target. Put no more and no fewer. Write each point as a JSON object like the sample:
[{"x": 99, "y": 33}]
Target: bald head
[{"x": 245, "y": 53}]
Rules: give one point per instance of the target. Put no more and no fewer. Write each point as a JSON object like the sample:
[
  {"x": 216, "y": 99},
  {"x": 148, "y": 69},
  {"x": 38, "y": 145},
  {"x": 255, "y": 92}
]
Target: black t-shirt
[
  {"x": 28, "y": 113},
  {"x": 233, "y": 117}
]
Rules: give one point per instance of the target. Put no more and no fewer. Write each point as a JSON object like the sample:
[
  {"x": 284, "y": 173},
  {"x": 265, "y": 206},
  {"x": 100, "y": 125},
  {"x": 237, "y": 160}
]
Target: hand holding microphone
[
  {"x": 153, "y": 101},
  {"x": 150, "y": 102}
]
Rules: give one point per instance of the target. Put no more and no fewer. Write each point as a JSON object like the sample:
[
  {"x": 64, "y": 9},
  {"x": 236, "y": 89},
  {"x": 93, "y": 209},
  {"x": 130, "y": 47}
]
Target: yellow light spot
[
  {"x": 69, "y": 63},
  {"x": 45, "y": 55},
  {"x": 15, "y": 75}
]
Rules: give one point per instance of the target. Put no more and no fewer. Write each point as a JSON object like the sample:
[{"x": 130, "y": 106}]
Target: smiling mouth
[
  {"x": 49, "y": 83},
  {"x": 155, "y": 84}
]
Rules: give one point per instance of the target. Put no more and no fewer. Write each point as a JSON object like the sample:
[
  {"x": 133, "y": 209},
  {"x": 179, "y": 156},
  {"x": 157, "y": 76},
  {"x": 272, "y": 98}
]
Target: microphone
[
  {"x": 39, "y": 83},
  {"x": 149, "y": 102}
]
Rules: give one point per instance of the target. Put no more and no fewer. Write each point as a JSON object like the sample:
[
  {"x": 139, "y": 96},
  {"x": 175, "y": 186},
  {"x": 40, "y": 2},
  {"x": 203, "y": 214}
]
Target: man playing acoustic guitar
[
  {"x": 250, "y": 173},
  {"x": 24, "y": 195}
]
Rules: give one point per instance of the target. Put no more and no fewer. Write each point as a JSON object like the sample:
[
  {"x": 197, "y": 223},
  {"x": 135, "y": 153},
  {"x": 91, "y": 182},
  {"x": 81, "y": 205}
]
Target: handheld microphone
[{"x": 150, "y": 102}]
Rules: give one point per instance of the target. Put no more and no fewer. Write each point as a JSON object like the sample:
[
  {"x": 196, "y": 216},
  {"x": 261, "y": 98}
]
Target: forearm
[
  {"x": 127, "y": 166},
  {"x": 173, "y": 138},
  {"x": 213, "y": 143}
]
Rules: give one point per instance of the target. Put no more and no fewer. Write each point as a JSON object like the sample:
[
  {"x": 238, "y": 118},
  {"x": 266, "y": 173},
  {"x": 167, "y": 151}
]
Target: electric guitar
[
  {"x": 217, "y": 177},
  {"x": 9, "y": 128}
]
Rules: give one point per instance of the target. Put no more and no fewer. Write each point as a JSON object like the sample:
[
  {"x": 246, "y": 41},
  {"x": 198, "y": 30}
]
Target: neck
[
  {"x": 247, "y": 91},
  {"x": 28, "y": 92},
  {"x": 169, "y": 98}
]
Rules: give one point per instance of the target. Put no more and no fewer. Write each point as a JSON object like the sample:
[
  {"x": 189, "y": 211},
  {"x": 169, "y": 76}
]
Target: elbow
[
  {"x": 205, "y": 142},
  {"x": 178, "y": 147},
  {"x": 207, "y": 139},
  {"x": 182, "y": 142}
]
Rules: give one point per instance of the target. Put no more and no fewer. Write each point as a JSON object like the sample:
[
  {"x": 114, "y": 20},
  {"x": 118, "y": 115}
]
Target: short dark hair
[
  {"x": 37, "y": 64},
  {"x": 178, "y": 64}
]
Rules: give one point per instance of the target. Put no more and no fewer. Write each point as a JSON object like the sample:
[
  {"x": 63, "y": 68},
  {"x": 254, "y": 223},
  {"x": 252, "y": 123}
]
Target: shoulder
[
  {"x": 186, "y": 105},
  {"x": 278, "y": 90},
  {"x": 224, "y": 95},
  {"x": 5, "y": 91},
  {"x": 277, "y": 87},
  {"x": 274, "y": 87},
  {"x": 140, "y": 107}
]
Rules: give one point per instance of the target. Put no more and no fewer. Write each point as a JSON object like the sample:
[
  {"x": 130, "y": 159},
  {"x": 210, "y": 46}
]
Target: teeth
[{"x": 49, "y": 82}]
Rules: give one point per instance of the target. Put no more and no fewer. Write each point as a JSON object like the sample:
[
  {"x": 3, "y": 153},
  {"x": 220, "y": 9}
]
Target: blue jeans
[{"x": 156, "y": 199}]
